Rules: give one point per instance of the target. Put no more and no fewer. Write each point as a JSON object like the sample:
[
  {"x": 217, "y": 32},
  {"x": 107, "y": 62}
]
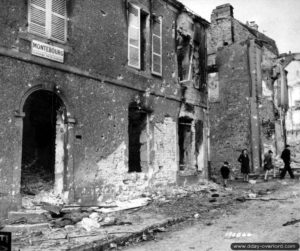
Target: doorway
[
  {"x": 185, "y": 136},
  {"x": 137, "y": 134},
  {"x": 43, "y": 115}
]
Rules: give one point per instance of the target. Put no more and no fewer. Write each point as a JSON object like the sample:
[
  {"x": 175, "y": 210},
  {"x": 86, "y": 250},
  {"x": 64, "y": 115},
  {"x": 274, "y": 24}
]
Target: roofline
[{"x": 180, "y": 6}]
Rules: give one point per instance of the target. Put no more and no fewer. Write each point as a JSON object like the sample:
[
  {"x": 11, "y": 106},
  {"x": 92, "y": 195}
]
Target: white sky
[{"x": 278, "y": 19}]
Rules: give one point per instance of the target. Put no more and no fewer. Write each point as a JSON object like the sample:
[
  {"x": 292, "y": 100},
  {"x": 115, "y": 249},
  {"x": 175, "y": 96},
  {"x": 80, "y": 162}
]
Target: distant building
[
  {"x": 247, "y": 91},
  {"x": 100, "y": 99},
  {"x": 292, "y": 66}
]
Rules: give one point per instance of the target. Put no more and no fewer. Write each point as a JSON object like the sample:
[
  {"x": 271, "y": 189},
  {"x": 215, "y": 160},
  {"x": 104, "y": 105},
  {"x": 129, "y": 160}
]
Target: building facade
[
  {"x": 100, "y": 99},
  {"x": 244, "y": 82},
  {"x": 292, "y": 66}
]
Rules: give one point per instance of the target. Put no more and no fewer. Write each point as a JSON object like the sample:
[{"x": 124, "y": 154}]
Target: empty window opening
[
  {"x": 38, "y": 146},
  {"x": 185, "y": 136},
  {"x": 184, "y": 51},
  {"x": 137, "y": 132}
]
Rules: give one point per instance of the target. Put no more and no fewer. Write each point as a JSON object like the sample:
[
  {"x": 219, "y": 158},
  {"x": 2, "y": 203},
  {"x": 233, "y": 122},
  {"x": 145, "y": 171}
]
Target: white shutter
[
  {"x": 134, "y": 36},
  {"x": 59, "y": 20},
  {"x": 37, "y": 17},
  {"x": 157, "y": 46},
  {"x": 48, "y": 18}
]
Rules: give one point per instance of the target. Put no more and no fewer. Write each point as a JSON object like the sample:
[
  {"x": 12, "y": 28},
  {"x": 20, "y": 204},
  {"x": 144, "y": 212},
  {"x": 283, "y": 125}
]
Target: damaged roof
[
  {"x": 268, "y": 42},
  {"x": 180, "y": 6}
]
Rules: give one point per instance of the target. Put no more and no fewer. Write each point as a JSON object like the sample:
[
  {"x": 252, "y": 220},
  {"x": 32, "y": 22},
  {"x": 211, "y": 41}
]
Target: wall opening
[
  {"x": 138, "y": 140},
  {"x": 42, "y": 111},
  {"x": 185, "y": 136}
]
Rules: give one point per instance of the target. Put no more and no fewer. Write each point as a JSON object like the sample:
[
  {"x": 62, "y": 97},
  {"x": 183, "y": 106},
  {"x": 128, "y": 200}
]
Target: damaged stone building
[
  {"x": 291, "y": 64},
  {"x": 247, "y": 91},
  {"x": 100, "y": 99}
]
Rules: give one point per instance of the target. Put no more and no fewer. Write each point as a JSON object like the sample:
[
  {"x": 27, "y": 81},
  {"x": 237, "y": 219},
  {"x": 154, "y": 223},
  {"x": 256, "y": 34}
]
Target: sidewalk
[{"x": 137, "y": 224}]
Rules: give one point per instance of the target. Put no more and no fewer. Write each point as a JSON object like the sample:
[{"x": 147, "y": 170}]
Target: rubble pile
[
  {"x": 43, "y": 199},
  {"x": 35, "y": 178}
]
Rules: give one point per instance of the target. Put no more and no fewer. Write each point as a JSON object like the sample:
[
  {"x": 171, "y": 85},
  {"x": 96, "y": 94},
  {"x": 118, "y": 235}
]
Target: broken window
[
  {"x": 185, "y": 136},
  {"x": 184, "y": 50},
  {"x": 42, "y": 108},
  {"x": 48, "y": 18},
  {"x": 157, "y": 46},
  {"x": 138, "y": 129}
]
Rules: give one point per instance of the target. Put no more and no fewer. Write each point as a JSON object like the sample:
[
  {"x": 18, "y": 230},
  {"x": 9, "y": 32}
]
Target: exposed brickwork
[{"x": 229, "y": 118}]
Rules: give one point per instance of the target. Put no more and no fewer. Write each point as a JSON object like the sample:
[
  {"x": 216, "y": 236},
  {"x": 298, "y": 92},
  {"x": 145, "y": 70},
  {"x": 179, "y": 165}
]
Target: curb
[{"x": 102, "y": 245}]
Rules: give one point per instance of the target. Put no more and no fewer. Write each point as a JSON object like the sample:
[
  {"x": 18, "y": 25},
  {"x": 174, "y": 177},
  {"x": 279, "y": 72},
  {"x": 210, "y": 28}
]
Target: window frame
[
  {"x": 48, "y": 20},
  {"x": 160, "y": 21},
  {"x": 139, "y": 37}
]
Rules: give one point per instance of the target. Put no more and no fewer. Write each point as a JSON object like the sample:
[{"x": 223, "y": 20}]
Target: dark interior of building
[
  {"x": 137, "y": 119},
  {"x": 38, "y": 145},
  {"x": 185, "y": 141}
]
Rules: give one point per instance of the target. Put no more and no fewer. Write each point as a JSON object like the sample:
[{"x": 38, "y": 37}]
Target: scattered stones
[
  {"x": 261, "y": 192},
  {"x": 52, "y": 208},
  {"x": 88, "y": 224},
  {"x": 241, "y": 199},
  {"x": 252, "y": 195}
]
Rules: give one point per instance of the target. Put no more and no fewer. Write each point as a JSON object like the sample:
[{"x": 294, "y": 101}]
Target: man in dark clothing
[
  {"x": 286, "y": 157},
  {"x": 225, "y": 172}
]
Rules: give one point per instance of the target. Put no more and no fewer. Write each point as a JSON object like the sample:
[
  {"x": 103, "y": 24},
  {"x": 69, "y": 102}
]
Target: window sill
[
  {"x": 29, "y": 37},
  {"x": 145, "y": 73}
]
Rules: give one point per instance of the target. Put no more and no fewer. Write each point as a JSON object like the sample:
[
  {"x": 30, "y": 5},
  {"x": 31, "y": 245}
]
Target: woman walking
[{"x": 245, "y": 168}]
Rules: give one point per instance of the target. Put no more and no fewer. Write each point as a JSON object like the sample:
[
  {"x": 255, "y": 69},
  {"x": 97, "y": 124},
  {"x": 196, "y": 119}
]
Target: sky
[{"x": 278, "y": 19}]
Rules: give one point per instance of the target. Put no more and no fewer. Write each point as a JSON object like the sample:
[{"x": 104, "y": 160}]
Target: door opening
[
  {"x": 137, "y": 133},
  {"x": 42, "y": 109},
  {"x": 185, "y": 136}
]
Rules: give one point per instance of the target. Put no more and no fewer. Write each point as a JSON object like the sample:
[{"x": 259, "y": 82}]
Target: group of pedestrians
[{"x": 268, "y": 165}]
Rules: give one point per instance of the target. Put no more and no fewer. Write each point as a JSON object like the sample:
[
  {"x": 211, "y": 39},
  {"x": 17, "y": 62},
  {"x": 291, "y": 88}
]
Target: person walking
[
  {"x": 268, "y": 164},
  {"x": 286, "y": 157},
  {"x": 245, "y": 168},
  {"x": 225, "y": 173}
]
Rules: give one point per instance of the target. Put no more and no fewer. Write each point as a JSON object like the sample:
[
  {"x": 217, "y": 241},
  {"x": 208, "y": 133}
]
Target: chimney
[
  {"x": 252, "y": 25},
  {"x": 221, "y": 12}
]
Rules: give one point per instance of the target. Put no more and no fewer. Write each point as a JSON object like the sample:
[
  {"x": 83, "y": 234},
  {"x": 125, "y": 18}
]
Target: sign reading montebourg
[{"x": 47, "y": 51}]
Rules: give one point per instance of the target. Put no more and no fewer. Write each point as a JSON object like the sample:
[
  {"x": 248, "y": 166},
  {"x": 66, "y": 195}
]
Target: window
[
  {"x": 157, "y": 46},
  {"x": 48, "y": 18},
  {"x": 134, "y": 36}
]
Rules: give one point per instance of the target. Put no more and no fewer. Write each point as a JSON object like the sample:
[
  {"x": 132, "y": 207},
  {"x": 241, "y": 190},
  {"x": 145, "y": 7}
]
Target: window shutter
[
  {"x": 134, "y": 36},
  {"x": 157, "y": 46},
  {"x": 59, "y": 20},
  {"x": 37, "y": 17},
  {"x": 48, "y": 18}
]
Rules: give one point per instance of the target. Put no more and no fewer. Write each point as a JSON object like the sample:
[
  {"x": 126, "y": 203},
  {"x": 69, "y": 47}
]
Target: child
[
  {"x": 225, "y": 172},
  {"x": 268, "y": 165}
]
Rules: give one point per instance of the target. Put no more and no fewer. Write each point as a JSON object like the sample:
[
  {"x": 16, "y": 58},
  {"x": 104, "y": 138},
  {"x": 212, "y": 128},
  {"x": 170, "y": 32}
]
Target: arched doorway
[{"x": 42, "y": 142}]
